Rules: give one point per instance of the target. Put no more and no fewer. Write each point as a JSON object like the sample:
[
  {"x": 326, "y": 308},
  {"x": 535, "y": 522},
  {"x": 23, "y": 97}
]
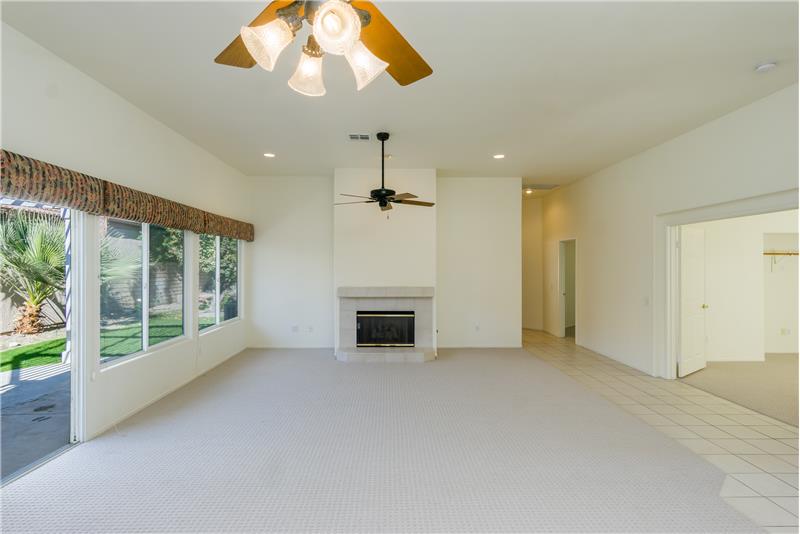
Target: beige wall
[
  {"x": 479, "y": 255},
  {"x": 781, "y": 293},
  {"x": 54, "y": 112},
  {"x": 532, "y": 276},
  {"x": 291, "y": 262},
  {"x": 750, "y": 152}
]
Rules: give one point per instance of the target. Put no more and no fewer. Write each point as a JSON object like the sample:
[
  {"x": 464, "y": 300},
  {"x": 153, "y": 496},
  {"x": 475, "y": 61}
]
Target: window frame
[
  {"x": 218, "y": 289},
  {"x": 111, "y": 361}
]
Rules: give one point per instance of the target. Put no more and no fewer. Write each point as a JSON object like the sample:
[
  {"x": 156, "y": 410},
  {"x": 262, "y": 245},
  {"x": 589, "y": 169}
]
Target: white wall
[
  {"x": 735, "y": 284},
  {"x": 55, "y": 113},
  {"x": 532, "y": 276},
  {"x": 569, "y": 283},
  {"x": 291, "y": 262},
  {"x": 295, "y": 266},
  {"x": 384, "y": 248},
  {"x": 479, "y": 262},
  {"x": 780, "y": 294},
  {"x": 613, "y": 213}
]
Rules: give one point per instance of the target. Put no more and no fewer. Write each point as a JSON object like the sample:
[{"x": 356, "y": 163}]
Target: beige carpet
[
  {"x": 480, "y": 440},
  {"x": 768, "y": 387}
]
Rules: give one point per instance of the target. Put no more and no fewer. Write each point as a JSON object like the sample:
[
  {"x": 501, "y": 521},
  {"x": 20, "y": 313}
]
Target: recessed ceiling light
[
  {"x": 499, "y": 156},
  {"x": 269, "y": 155},
  {"x": 765, "y": 67},
  {"x": 529, "y": 191}
]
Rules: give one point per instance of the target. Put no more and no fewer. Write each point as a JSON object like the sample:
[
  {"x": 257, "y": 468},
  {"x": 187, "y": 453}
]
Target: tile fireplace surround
[{"x": 416, "y": 299}]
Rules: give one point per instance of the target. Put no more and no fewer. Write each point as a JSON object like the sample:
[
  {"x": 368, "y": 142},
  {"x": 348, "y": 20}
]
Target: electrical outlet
[
  {"x": 785, "y": 331},
  {"x": 295, "y": 328},
  {"x": 310, "y": 329},
  {"x": 477, "y": 328}
]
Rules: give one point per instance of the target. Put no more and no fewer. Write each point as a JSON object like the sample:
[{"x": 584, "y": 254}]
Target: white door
[{"x": 693, "y": 301}]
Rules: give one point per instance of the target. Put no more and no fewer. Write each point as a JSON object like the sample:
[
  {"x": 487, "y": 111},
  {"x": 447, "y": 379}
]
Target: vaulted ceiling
[{"x": 562, "y": 89}]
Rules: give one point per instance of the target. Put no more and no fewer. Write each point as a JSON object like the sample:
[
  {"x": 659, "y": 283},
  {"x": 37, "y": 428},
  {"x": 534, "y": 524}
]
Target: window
[
  {"x": 207, "y": 297},
  {"x": 228, "y": 276},
  {"x": 120, "y": 288},
  {"x": 218, "y": 299},
  {"x": 141, "y": 286},
  {"x": 165, "y": 301}
]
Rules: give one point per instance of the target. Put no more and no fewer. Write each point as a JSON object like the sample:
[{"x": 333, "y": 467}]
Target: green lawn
[
  {"x": 114, "y": 342},
  {"x": 42, "y": 353}
]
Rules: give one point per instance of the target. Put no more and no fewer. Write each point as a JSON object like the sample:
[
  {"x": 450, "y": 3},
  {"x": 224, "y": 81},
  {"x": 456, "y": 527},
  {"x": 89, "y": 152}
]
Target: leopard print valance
[{"x": 30, "y": 179}]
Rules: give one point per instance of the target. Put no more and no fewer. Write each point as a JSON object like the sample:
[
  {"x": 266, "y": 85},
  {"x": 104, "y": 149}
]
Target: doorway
[
  {"x": 36, "y": 378},
  {"x": 738, "y": 310},
  {"x": 567, "y": 286}
]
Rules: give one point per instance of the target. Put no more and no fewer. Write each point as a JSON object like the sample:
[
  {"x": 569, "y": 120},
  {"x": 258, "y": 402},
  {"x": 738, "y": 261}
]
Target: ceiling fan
[
  {"x": 355, "y": 29},
  {"x": 385, "y": 197}
]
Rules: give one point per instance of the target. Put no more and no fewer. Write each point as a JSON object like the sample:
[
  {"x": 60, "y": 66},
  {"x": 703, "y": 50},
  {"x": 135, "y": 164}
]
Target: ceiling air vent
[{"x": 359, "y": 137}]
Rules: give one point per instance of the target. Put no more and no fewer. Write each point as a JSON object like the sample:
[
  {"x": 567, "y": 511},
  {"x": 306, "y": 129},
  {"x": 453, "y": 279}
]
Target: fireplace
[{"x": 384, "y": 329}]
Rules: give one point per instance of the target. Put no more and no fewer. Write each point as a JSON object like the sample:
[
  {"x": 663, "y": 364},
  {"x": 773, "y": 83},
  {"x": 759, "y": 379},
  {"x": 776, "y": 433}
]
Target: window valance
[{"x": 30, "y": 179}]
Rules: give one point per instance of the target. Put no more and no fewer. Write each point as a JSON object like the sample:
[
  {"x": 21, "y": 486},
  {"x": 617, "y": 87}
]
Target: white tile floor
[{"x": 758, "y": 453}]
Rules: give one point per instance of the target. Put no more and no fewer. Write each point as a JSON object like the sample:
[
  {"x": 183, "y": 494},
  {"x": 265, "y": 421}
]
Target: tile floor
[{"x": 758, "y": 453}]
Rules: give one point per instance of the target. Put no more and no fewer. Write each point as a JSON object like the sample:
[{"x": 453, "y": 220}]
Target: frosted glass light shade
[
  {"x": 337, "y": 27},
  {"x": 307, "y": 79},
  {"x": 366, "y": 65},
  {"x": 265, "y": 43}
]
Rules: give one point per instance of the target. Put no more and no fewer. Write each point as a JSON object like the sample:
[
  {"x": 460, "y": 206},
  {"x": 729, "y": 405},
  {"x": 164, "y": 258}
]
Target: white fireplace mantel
[
  {"x": 385, "y": 292},
  {"x": 418, "y": 299}
]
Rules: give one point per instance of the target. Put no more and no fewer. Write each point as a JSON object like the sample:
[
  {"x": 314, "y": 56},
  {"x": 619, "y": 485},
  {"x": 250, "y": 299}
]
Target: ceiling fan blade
[
  {"x": 415, "y": 202},
  {"x": 356, "y": 202},
  {"x": 406, "y": 66},
  {"x": 387, "y": 207},
  {"x": 402, "y": 196},
  {"x": 236, "y": 54},
  {"x": 355, "y": 196}
]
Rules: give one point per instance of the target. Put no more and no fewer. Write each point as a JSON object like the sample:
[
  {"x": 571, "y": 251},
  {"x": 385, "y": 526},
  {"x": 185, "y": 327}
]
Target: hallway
[{"x": 758, "y": 453}]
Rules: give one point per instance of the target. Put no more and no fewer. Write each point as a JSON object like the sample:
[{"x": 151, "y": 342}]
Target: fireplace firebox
[{"x": 385, "y": 329}]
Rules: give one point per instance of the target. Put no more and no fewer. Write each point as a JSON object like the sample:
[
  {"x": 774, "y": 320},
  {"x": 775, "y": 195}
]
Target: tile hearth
[{"x": 402, "y": 298}]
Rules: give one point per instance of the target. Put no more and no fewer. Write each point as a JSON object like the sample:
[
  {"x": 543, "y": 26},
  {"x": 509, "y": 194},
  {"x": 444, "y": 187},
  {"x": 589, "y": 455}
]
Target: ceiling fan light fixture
[
  {"x": 307, "y": 79},
  {"x": 265, "y": 43},
  {"x": 336, "y": 27},
  {"x": 366, "y": 65}
]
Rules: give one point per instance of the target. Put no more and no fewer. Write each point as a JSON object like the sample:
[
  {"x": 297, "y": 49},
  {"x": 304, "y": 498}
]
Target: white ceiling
[{"x": 563, "y": 89}]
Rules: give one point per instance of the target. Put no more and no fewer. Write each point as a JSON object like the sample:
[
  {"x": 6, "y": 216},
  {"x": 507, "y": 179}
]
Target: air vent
[
  {"x": 359, "y": 137},
  {"x": 541, "y": 187}
]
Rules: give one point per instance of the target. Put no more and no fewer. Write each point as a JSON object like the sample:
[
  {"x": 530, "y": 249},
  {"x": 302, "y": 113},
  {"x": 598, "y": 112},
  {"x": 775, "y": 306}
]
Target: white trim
[
  {"x": 214, "y": 328},
  {"x": 666, "y": 285},
  {"x": 190, "y": 284},
  {"x": 78, "y": 343},
  {"x": 562, "y": 307},
  {"x": 239, "y": 277},
  {"x": 155, "y": 349},
  {"x": 145, "y": 287},
  {"x": 217, "y": 292}
]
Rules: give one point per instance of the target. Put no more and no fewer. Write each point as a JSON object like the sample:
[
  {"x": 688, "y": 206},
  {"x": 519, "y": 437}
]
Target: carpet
[
  {"x": 768, "y": 387},
  {"x": 480, "y": 440}
]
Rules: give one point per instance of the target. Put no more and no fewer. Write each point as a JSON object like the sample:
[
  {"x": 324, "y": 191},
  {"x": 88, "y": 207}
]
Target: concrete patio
[{"x": 34, "y": 414}]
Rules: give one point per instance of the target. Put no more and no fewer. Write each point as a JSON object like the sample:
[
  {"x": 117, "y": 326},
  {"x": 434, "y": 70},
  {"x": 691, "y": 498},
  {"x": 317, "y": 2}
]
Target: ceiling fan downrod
[{"x": 383, "y": 137}]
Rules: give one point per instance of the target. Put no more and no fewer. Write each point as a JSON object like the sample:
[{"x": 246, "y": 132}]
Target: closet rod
[{"x": 780, "y": 254}]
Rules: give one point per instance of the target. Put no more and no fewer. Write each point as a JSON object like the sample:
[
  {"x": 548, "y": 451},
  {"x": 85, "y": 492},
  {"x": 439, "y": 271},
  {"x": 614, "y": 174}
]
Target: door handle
[{"x": 704, "y": 306}]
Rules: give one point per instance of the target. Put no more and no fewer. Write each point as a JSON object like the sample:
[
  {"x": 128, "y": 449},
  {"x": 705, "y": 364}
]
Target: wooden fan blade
[
  {"x": 236, "y": 54},
  {"x": 387, "y": 207},
  {"x": 356, "y": 202},
  {"x": 406, "y": 66},
  {"x": 415, "y": 202},
  {"x": 355, "y": 196},
  {"x": 402, "y": 196}
]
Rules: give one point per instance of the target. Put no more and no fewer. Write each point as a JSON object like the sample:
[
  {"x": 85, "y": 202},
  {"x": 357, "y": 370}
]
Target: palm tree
[{"x": 32, "y": 262}]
